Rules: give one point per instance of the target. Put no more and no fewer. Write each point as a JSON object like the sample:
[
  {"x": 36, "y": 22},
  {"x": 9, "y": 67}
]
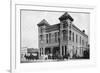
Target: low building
[
  {"x": 33, "y": 51},
  {"x": 23, "y": 51},
  {"x": 28, "y": 54}
]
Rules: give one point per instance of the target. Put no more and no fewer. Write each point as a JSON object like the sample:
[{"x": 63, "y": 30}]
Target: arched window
[
  {"x": 64, "y": 35},
  {"x": 41, "y": 37}
]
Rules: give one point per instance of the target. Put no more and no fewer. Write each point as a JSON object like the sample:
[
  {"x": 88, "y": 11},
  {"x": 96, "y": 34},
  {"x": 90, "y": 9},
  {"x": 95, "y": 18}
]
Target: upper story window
[
  {"x": 46, "y": 38},
  {"x": 80, "y": 39},
  {"x": 49, "y": 37},
  {"x": 55, "y": 36},
  {"x": 64, "y": 35},
  {"x": 73, "y": 36},
  {"x": 41, "y": 37},
  {"x": 82, "y": 42},
  {"x": 70, "y": 35},
  {"x": 86, "y": 43},
  {"x": 58, "y": 35},
  {"x": 70, "y": 26},
  {"x": 65, "y": 24},
  {"x": 69, "y": 23},
  {"x": 76, "y": 38},
  {"x": 41, "y": 30}
]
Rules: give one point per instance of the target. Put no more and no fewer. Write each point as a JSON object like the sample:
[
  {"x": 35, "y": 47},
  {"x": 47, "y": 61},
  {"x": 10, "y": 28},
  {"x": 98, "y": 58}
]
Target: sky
[{"x": 30, "y": 19}]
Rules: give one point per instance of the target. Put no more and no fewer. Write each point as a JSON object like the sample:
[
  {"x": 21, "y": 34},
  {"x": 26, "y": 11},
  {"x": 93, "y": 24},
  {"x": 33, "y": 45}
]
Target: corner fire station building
[{"x": 63, "y": 39}]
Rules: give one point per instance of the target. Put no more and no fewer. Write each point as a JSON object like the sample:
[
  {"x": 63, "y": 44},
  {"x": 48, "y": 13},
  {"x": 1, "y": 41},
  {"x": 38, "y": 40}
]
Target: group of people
[{"x": 31, "y": 57}]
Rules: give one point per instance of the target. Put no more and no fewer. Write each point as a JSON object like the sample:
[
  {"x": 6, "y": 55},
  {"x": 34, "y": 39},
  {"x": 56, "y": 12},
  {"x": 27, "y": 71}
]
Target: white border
[{"x": 15, "y": 40}]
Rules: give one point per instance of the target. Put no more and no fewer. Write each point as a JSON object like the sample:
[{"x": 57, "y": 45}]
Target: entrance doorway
[
  {"x": 47, "y": 51},
  {"x": 56, "y": 53}
]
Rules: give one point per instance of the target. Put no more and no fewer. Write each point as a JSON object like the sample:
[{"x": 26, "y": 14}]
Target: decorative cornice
[
  {"x": 43, "y": 22},
  {"x": 66, "y": 16}
]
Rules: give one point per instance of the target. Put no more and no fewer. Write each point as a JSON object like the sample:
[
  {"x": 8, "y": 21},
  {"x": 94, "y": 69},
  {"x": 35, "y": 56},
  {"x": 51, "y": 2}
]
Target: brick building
[{"x": 63, "y": 39}]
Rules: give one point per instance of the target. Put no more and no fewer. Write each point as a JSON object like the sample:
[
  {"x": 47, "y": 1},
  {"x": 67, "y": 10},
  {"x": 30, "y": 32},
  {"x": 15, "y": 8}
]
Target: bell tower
[
  {"x": 66, "y": 19},
  {"x": 65, "y": 26},
  {"x": 41, "y": 35}
]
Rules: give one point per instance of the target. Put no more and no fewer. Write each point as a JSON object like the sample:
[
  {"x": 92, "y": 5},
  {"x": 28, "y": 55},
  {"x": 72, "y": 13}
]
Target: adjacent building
[
  {"x": 28, "y": 54},
  {"x": 23, "y": 51}
]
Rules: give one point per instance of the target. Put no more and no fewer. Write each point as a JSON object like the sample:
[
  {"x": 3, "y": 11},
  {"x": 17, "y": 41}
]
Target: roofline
[
  {"x": 75, "y": 28},
  {"x": 79, "y": 30}
]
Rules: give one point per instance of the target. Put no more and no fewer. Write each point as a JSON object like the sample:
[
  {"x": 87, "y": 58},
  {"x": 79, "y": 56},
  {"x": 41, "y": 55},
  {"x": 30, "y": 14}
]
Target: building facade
[{"x": 63, "y": 40}]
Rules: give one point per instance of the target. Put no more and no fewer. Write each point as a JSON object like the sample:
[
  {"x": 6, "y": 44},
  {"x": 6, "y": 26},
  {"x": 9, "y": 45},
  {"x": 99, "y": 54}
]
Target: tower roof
[
  {"x": 43, "y": 22},
  {"x": 65, "y": 16}
]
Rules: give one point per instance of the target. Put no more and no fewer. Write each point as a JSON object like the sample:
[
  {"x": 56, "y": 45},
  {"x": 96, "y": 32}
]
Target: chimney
[{"x": 83, "y": 31}]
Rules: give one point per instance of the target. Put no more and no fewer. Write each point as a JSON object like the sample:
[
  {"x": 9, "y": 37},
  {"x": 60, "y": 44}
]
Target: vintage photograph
[{"x": 51, "y": 36}]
